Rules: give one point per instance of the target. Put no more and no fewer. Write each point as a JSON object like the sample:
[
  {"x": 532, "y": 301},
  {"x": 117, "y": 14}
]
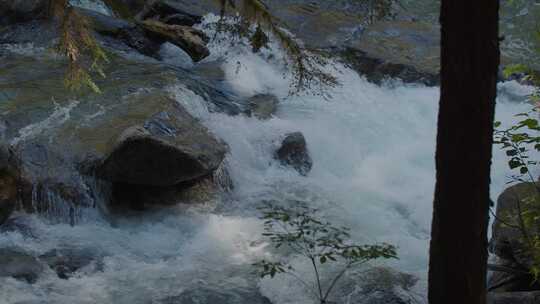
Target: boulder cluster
[
  {"x": 128, "y": 148},
  {"x": 510, "y": 279}
]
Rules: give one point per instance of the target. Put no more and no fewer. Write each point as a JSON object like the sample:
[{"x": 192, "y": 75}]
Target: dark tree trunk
[{"x": 469, "y": 65}]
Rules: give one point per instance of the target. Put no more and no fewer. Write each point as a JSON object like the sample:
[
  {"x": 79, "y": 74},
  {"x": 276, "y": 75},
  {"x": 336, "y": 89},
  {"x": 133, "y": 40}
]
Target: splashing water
[
  {"x": 95, "y": 5},
  {"x": 373, "y": 153}
]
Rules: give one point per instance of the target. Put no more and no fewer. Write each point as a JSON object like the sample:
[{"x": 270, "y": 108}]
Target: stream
[{"x": 373, "y": 154}]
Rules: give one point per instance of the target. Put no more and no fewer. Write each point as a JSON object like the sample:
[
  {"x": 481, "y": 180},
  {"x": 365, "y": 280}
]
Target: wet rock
[
  {"x": 37, "y": 32},
  {"x": 67, "y": 148},
  {"x": 262, "y": 106},
  {"x": 506, "y": 242},
  {"x": 8, "y": 185},
  {"x": 406, "y": 43},
  {"x": 377, "y": 70},
  {"x": 382, "y": 285},
  {"x": 8, "y": 195},
  {"x": 65, "y": 262},
  {"x": 19, "y": 265},
  {"x": 206, "y": 295},
  {"x": 513, "y": 297},
  {"x": 294, "y": 153},
  {"x": 105, "y": 24},
  {"x": 509, "y": 276},
  {"x": 166, "y": 149},
  {"x": 126, "y": 9},
  {"x": 13, "y": 11},
  {"x": 201, "y": 190},
  {"x": 124, "y": 31},
  {"x": 191, "y": 40},
  {"x": 168, "y": 12}
]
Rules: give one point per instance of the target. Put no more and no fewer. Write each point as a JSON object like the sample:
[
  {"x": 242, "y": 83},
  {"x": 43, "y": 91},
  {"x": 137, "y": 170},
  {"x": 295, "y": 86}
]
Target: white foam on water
[{"x": 59, "y": 116}]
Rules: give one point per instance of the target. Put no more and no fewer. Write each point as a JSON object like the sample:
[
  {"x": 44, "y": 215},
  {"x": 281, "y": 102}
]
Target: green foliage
[
  {"x": 307, "y": 67},
  {"x": 518, "y": 141},
  {"x": 299, "y": 229},
  {"x": 85, "y": 55},
  {"x": 515, "y": 69}
]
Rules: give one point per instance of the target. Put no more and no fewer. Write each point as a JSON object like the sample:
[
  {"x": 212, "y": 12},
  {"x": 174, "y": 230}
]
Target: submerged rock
[
  {"x": 294, "y": 153},
  {"x": 262, "y": 106},
  {"x": 65, "y": 262},
  {"x": 19, "y": 265}
]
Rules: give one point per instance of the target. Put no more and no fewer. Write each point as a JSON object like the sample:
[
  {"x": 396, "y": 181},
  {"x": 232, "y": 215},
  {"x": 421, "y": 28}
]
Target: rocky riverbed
[{"x": 148, "y": 192}]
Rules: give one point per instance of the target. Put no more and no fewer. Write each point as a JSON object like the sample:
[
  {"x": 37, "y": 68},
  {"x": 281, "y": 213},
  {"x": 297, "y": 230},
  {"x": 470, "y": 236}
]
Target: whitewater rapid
[{"x": 373, "y": 153}]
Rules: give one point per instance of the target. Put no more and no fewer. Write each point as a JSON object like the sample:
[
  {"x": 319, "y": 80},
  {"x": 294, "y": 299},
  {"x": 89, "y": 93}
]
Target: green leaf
[
  {"x": 511, "y": 153},
  {"x": 323, "y": 260},
  {"x": 514, "y": 69},
  {"x": 514, "y": 164}
]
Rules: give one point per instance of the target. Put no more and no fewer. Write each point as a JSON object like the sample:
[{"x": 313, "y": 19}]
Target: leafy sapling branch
[
  {"x": 77, "y": 43},
  {"x": 300, "y": 229},
  {"x": 518, "y": 141}
]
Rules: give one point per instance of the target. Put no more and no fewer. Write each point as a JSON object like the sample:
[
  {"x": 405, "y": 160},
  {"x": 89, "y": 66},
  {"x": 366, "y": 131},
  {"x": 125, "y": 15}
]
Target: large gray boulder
[
  {"x": 13, "y": 11},
  {"x": 507, "y": 241},
  {"x": 293, "y": 152},
  {"x": 61, "y": 141},
  {"x": 166, "y": 149}
]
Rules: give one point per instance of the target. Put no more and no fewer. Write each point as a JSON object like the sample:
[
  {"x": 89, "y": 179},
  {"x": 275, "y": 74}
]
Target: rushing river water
[{"x": 373, "y": 153}]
